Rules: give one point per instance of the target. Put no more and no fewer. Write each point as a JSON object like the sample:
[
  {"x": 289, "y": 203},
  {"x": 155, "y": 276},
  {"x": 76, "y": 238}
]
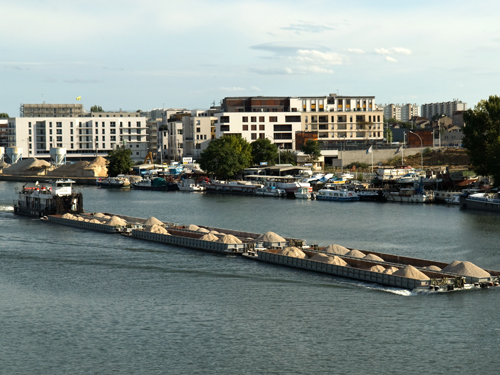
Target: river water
[{"x": 78, "y": 302}]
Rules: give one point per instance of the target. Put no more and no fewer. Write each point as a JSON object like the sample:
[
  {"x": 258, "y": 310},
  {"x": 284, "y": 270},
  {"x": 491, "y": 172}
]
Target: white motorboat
[
  {"x": 410, "y": 195},
  {"x": 303, "y": 193},
  {"x": 189, "y": 184},
  {"x": 270, "y": 191},
  {"x": 342, "y": 195},
  {"x": 455, "y": 199},
  {"x": 409, "y": 178}
]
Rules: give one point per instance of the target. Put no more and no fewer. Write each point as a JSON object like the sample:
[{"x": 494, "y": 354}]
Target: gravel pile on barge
[
  {"x": 373, "y": 257},
  {"x": 155, "y": 228},
  {"x": 377, "y": 268},
  {"x": 465, "y": 269},
  {"x": 209, "y": 237},
  {"x": 412, "y": 273},
  {"x": 229, "y": 238},
  {"x": 193, "y": 227},
  {"x": 117, "y": 221},
  {"x": 355, "y": 254},
  {"x": 203, "y": 230},
  {"x": 320, "y": 257},
  {"x": 336, "y": 249},
  {"x": 390, "y": 270},
  {"x": 432, "y": 268},
  {"x": 153, "y": 221},
  {"x": 293, "y": 252}
]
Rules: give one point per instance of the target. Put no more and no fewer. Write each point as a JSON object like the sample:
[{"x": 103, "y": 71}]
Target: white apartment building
[
  {"x": 342, "y": 118},
  {"x": 199, "y": 130},
  {"x": 83, "y": 137},
  {"x": 444, "y": 108},
  {"x": 402, "y": 112}
]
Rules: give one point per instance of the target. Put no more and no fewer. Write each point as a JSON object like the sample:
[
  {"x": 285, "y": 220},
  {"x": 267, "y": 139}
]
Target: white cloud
[
  {"x": 328, "y": 58},
  {"x": 355, "y": 50},
  {"x": 401, "y": 51},
  {"x": 391, "y": 59},
  {"x": 392, "y": 51}
]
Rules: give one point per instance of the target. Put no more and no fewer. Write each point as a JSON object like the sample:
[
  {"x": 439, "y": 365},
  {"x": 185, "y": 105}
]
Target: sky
[{"x": 131, "y": 54}]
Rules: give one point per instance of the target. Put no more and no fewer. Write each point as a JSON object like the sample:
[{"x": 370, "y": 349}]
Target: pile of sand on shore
[
  {"x": 294, "y": 252},
  {"x": 411, "y": 272},
  {"x": 320, "y": 257},
  {"x": 465, "y": 269},
  {"x": 209, "y": 237},
  {"x": 355, "y": 254},
  {"x": 336, "y": 249},
  {"x": 270, "y": 237},
  {"x": 373, "y": 257},
  {"x": 96, "y": 168},
  {"x": 28, "y": 167}
]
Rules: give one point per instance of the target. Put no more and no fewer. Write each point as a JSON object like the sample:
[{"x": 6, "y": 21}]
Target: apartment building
[
  {"x": 83, "y": 137},
  {"x": 335, "y": 119},
  {"x": 199, "y": 130},
  {"x": 51, "y": 110},
  {"x": 444, "y": 108},
  {"x": 261, "y": 117},
  {"x": 403, "y": 112}
]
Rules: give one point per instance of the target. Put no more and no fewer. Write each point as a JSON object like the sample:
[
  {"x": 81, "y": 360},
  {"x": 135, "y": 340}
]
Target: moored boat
[
  {"x": 480, "y": 201},
  {"x": 118, "y": 182},
  {"x": 189, "y": 184},
  {"x": 303, "y": 193},
  {"x": 342, "y": 195},
  {"x": 154, "y": 184},
  {"x": 410, "y": 195}
]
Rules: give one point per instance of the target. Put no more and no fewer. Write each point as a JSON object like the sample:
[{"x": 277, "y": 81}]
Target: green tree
[
  {"x": 288, "y": 157},
  {"x": 96, "y": 108},
  {"x": 4, "y": 115},
  {"x": 482, "y": 137},
  {"x": 226, "y": 156},
  {"x": 312, "y": 149},
  {"x": 120, "y": 161},
  {"x": 263, "y": 150},
  {"x": 388, "y": 135}
]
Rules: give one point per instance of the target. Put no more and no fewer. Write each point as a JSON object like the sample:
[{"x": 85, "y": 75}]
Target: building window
[
  {"x": 103, "y": 131},
  {"x": 261, "y": 119},
  {"x": 113, "y": 138},
  {"x": 198, "y": 130},
  {"x": 245, "y": 119},
  {"x": 245, "y": 127},
  {"x": 59, "y": 139},
  {"x": 262, "y": 135},
  {"x": 262, "y": 127},
  {"x": 254, "y": 127},
  {"x": 254, "y": 136},
  {"x": 253, "y": 119},
  {"x": 273, "y": 118},
  {"x": 138, "y": 124}
]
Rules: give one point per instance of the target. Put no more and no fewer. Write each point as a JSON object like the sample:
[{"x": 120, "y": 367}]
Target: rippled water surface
[{"x": 78, "y": 302}]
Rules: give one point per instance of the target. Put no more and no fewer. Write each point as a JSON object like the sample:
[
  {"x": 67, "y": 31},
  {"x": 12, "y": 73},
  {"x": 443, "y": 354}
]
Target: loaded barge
[{"x": 384, "y": 269}]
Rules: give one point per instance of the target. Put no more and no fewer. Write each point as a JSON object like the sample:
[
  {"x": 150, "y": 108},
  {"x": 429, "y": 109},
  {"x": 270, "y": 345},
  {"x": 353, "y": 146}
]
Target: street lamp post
[{"x": 421, "y": 150}]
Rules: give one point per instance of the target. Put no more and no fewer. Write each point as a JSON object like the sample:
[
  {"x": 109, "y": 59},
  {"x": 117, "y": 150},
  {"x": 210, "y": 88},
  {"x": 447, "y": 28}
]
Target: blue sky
[{"x": 146, "y": 54}]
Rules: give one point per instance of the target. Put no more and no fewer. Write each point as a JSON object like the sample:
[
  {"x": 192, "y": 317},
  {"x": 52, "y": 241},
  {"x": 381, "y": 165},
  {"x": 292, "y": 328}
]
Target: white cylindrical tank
[
  {"x": 14, "y": 154},
  {"x": 58, "y": 155}
]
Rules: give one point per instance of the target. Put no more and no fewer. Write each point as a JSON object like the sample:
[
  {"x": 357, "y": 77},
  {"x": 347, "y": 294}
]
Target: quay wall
[{"x": 360, "y": 156}]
